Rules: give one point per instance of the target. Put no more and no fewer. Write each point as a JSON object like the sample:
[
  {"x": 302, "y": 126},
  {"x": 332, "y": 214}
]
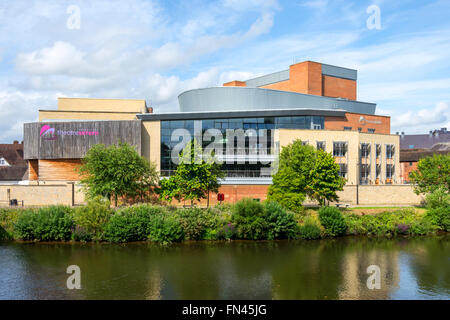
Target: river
[{"x": 410, "y": 268}]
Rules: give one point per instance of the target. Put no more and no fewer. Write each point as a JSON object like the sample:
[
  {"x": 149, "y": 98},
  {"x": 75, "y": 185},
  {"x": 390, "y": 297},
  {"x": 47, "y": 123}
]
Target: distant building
[
  {"x": 13, "y": 168},
  {"x": 424, "y": 141},
  {"x": 417, "y": 146}
]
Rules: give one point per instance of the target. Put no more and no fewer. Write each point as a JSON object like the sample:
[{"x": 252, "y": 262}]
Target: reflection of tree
[
  {"x": 309, "y": 270},
  {"x": 430, "y": 263}
]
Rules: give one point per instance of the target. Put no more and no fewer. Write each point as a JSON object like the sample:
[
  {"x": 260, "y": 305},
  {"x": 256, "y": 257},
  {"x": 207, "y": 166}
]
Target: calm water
[{"x": 415, "y": 268}]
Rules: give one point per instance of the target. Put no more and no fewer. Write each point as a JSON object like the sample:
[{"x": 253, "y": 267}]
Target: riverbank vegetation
[{"x": 247, "y": 220}]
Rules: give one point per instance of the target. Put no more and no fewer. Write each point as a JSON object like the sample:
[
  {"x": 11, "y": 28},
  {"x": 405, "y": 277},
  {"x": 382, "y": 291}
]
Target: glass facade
[{"x": 236, "y": 169}]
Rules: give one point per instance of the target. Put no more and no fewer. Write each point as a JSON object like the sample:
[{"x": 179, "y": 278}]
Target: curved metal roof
[{"x": 256, "y": 99}]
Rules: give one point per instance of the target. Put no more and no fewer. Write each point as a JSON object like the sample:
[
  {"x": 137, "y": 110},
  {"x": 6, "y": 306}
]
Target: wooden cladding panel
[
  {"x": 59, "y": 170},
  {"x": 33, "y": 170},
  {"x": 67, "y": 145}
]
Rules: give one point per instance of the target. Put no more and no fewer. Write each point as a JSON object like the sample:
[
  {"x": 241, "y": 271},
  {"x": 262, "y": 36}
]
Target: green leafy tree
[
  {"x": 195, "y": 177},
  {"x": 432, "y": 173},
  {"x": 292, "y": 181},
  {"x": 325, "y": 179},
  {"x": 117, "y": 171}
]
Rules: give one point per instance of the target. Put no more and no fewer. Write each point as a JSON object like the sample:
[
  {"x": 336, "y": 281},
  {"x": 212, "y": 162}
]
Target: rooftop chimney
[{"x": 16, "y": 142}]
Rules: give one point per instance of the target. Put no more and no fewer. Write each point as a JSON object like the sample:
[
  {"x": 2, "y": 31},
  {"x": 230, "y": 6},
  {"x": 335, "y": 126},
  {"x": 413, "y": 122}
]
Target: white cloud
[{"x": 422, "y": 120}]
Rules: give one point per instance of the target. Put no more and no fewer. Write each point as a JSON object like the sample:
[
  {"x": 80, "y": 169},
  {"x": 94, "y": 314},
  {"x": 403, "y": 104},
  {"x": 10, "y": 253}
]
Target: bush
[
  {"x": 440, "y": 216},
  {"x": 226, "y": 232},
  {"x": 332, "y": 220},
  {"x": 47, "y": 224},
  {"x": 131, "y": 223},
  {"x": 437, "y": 199},
  {"x": 165, "y": 229},
  {"x": 281, "y": 224},
  {"x": 8, "y": 218},
  {"x": 92, "y": 218},
  {"x": 248, "y": 216},
  {"x": 194, "y": 222},
  {"x": 310, "y": 230},
  {"x": 80, "y": 234}
]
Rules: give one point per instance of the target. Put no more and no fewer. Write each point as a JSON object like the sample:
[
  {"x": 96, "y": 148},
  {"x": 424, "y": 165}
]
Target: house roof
[
  {"x": 414, "y": 155},
  {"x": 18, "y": 167},
  {"x": 424, "y": 141}
]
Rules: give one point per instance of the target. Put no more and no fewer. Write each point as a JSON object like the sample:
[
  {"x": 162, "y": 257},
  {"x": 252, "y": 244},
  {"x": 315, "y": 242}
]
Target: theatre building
[{"x": 310, "y": 101}]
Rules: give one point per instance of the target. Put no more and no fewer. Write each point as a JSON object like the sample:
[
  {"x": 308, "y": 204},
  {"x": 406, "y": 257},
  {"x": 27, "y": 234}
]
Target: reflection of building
[
  {"x": 309, "y": 101},
  {"x": 355, "y": 274}
]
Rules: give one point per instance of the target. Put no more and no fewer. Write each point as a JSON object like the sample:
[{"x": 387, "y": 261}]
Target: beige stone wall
[
  {"x": 42, "y": 194},
  {"x": 354, "y": 139},
  {"x": 111, "y": 105},
  {"x": 46, "y": 115},
  {"x": 151, "y": 142}
]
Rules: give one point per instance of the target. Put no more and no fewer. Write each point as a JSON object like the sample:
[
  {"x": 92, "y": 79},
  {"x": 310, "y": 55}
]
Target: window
[
  {"x": 305, "y": 143},
  {"x": 339, "y": 149},
  {"x": 348, "y": 128},
  {"x": 359, "y": 129},
  {"x": 364, "y": 174},
  {"x": 365, "y": 150},
  {"x": 389, "y": 151},
  {"x": 378, "y": 171},
  {"x": 343, "y": 170},
  {"x": 2, "y": 162},
  {"x": 320, "y": 145},
  {"x": 371, "y": 130},
  {"x": 389, "y": 173},
  {"x": 410, "y": 164},
  {"x": 378, "y": 150}
]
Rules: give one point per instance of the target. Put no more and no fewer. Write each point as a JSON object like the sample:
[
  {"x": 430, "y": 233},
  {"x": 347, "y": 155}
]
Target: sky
[{"x": 155, "y": 50}]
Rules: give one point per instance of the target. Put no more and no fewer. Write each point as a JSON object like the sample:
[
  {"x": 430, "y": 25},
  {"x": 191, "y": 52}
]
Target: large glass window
[
  {"x": 244, "y": 170},
  {"x": 389, "y": 151}
]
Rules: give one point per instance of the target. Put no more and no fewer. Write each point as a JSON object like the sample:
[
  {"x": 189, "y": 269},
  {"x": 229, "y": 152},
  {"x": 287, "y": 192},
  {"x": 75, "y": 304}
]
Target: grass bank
[{"x": 246, "y": 219}]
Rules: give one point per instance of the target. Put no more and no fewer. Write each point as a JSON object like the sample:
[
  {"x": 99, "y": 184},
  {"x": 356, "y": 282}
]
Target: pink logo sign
[{"x": 47, "y": 133}]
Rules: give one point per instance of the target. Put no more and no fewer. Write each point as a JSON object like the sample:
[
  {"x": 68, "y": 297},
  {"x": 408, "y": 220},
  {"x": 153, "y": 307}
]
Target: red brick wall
[
  {"x": 339, "y": 88},
  {"x": 382, "y": 123},
  {"x": 405, "y": 169}
]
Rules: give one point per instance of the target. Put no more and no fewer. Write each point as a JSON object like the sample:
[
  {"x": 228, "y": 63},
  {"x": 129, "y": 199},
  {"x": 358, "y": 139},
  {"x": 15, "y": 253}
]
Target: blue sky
[{"x": 155, "y": 50}]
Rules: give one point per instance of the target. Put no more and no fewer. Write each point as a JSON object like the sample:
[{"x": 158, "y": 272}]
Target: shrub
[
  {"x": 281, "y": 224},
  {"x": 332, "y": 220},
  {"x": 438, "y": 198},
  {"x": 440, "y": 216},
  {"x": 93, "y": 217},
  {"x": 247, "y": 215},
  {"x": 8, "y": 218},
  {"x": 226, "y": 232},
  {"x": 80, "y": 234},
  {"x": 310, "y": 230},
  {"x": 165, "y": 229},
  {"x": 194, "y": 222},
  {"x": 47, "y": 224},
  {"x": 131, "y": 223},
  {"x": 422, "y": 227}
]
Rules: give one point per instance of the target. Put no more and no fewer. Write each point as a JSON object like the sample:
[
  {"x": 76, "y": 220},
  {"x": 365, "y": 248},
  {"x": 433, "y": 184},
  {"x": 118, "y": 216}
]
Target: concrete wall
[
  {"x": 40, "y": 195},
  {"x": 61, "y": 193}
]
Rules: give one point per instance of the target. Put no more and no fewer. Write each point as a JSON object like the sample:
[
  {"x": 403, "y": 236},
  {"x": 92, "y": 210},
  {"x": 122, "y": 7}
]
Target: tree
[
  {"x": 432, "y": 173},
  {"x": 291, "y": 183},
  {"x": 195, "y": 177},
  {"x": 325, "y": 179},
  {"x": 117, "y": 171},
  {"x": 302, "y": 172}
]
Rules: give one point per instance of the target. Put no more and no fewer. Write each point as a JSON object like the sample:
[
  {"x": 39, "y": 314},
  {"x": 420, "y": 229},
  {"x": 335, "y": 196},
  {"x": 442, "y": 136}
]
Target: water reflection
[{"x": 327, "y": 269}]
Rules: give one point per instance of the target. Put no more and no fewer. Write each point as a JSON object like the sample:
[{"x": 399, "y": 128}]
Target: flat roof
[{"x": 239, "y": 114}]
